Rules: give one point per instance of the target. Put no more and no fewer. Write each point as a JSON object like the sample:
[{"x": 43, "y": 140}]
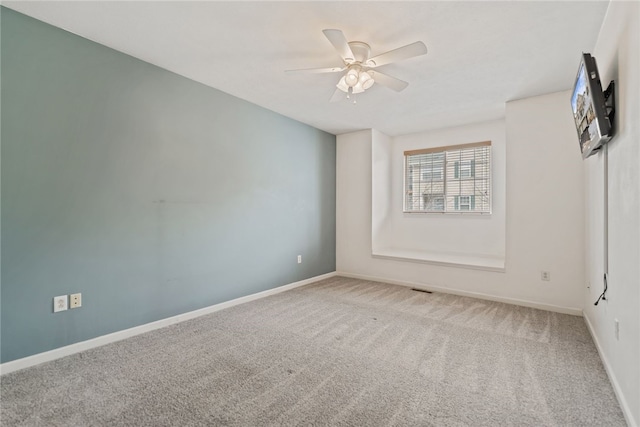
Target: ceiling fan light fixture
[
  {"x": 352, "y": 77},
  {"x": 342, "y": 85},
  {"x": 365, "y": 80},
  {"x": 357, "y": 88}
]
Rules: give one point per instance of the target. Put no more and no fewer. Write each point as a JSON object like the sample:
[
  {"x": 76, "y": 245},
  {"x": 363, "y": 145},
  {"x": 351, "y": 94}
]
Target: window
[
  {"x": 464, "y": 169},
  {"x": 433, "y": 202},
  {"x": 449, "y": 179},
  {"x": 464, "y": 203},
  {"x": 432, "y": 173}
]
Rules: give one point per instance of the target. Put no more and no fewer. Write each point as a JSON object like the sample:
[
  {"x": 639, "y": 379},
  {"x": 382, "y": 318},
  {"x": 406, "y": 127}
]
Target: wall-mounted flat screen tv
[{"x": 589, "y": 110}]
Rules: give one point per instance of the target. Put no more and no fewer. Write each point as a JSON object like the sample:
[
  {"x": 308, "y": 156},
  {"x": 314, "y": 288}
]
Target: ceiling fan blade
[
  {"x": 388, "y": 81},
  {"x": 399, "y": 54},
  {"x": 337, "y": 96},
  {"x": 339, "y": 42},
  {"x": 317, "y": 70}
]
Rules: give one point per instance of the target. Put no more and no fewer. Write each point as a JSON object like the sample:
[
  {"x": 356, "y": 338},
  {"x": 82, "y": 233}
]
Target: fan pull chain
[{"x": 349, "y": 93}]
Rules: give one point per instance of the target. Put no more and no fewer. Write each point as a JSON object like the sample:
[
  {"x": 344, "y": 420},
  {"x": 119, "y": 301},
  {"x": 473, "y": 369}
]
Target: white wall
[
  {"x": 618, "y": 58},
  {"x": 544, "y": 214},
  {"x": 353, "y": 200},
  {"x": 381, "y": 188},
  {"x": 466, "y": 235}
]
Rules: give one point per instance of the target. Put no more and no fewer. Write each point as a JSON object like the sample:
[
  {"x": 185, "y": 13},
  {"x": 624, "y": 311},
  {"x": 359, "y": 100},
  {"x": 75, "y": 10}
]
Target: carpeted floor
[{"x": 336, "y": 352}]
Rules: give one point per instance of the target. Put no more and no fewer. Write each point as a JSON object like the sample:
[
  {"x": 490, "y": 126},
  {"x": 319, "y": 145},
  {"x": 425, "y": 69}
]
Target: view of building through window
[{"x": 449, "y": 179}]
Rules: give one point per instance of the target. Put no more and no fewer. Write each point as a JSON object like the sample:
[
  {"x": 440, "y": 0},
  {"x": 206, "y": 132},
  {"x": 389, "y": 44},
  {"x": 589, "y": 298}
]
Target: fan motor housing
[{"x": 361, "y": 51}]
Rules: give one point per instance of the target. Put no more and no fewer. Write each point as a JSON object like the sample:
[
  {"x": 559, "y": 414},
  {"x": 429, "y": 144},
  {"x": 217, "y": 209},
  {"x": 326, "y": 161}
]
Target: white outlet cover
[
  {"x": 75, "y": 300},
  {"x": 60, "y": 303}
]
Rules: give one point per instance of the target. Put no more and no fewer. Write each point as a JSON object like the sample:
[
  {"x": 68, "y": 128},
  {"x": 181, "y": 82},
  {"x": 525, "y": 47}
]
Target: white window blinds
[{"x": 449, "y": 179}]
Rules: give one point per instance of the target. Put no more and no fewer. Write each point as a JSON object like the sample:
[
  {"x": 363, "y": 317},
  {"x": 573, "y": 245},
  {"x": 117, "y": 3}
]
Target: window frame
[{"x": 457, "y": 176}]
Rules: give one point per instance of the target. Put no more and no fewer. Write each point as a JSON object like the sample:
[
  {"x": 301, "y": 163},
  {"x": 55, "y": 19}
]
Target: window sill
[{"x": 476, "y": 262}]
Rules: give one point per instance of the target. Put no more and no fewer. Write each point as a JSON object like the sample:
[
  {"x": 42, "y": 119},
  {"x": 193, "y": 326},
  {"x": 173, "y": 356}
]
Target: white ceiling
[{"x": 481, "y": 53}]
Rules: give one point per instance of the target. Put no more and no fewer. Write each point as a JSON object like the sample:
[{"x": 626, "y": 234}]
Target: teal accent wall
[{"x": 149, "y": 193}]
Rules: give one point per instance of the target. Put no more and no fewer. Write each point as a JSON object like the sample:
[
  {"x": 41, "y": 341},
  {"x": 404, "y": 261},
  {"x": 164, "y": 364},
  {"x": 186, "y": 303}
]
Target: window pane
[{"x": 457, "y": 180}]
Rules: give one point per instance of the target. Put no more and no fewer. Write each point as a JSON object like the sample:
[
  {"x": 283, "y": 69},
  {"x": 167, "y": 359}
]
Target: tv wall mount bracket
[{"x": 610, "y": 102}]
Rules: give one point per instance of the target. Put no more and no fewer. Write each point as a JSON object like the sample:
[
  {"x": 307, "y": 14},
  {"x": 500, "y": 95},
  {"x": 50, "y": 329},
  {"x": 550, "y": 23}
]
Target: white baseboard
[
  {"x": 612, "y": 378},
  {"x": 514, "y": 301},
  {"x": 57, "y": 353}
]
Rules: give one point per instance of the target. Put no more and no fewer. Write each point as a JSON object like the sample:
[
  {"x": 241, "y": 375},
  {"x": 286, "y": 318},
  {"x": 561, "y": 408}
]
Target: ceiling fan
[{"x": 361, "y": 72}]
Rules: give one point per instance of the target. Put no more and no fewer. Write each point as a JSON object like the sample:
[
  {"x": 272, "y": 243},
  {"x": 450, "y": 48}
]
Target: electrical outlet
[
  {"x": 299, "y": 259},
  {"x": 60, "y": 303},
  {"x": 545, "y": 275},
  {"x": 616, "y": 328},
  {"x": 75, "y": 300}
]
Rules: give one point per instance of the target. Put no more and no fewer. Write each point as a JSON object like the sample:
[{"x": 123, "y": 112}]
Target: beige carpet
[{"x": 336, "y": 352}]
